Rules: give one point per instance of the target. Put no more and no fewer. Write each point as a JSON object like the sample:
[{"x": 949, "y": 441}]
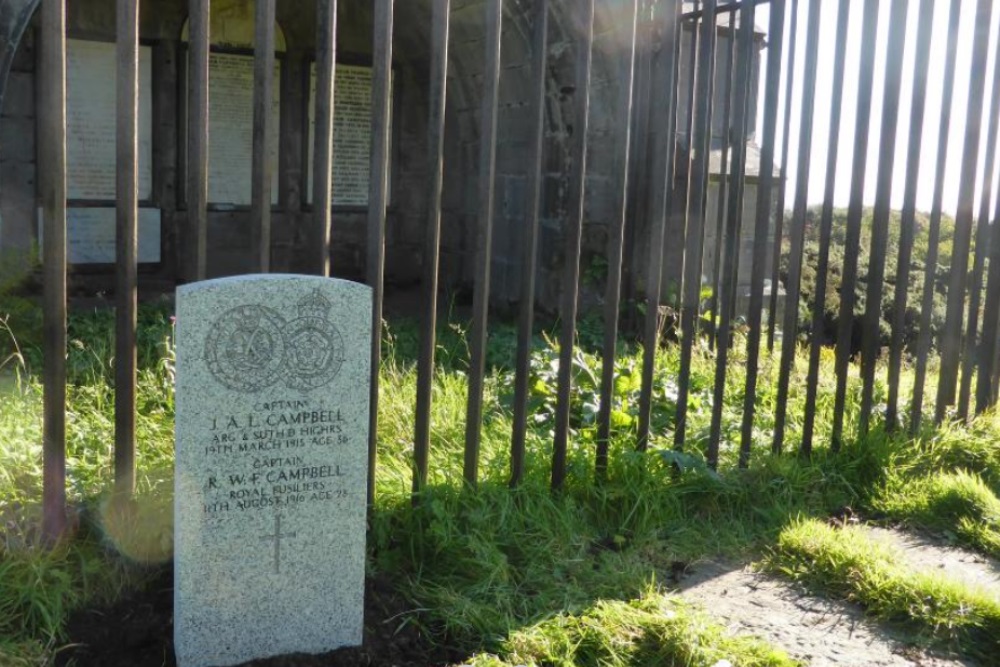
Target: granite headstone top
[{"x": 272, "y": 411}]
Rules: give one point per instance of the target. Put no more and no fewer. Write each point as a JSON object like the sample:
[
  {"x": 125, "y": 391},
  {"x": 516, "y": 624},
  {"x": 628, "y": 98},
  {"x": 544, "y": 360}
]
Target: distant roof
[
  {"x": 725, "y": 18},
  {"x": 752, "y": 166}
]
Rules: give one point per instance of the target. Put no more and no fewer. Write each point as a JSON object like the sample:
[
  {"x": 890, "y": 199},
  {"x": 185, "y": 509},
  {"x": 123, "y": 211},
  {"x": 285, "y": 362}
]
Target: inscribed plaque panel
[
  {"x": 352, "y": 123},
  {"x": 90, "y": 120},
  {"x": 230, "y": 129}
]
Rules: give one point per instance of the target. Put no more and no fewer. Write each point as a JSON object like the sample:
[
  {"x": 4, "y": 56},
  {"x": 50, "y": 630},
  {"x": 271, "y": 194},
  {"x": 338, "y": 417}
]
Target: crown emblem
[{"x": 314, "y": 306}]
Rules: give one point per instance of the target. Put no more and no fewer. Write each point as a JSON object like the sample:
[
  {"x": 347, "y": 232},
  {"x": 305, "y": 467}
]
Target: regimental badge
[
  {"x": 251, "y": 347},
  {"x": 245, "y": 348},
  {"x": 315, "y": 349}
]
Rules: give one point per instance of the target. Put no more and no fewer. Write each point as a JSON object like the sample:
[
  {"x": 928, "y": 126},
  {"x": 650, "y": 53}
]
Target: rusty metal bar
[
  {"x": 798, "y": 224},
  {"x": 694, "y": 237},
  {"x": 481, "y": 297},
  {"x": 262, "y": 168},
  {"x": 574, "y": 235},
  {"x": 440, "y": 29},
  {"x": 665, "y": 105},
  {"x": 987, "y": 351},
  {"x": 688, "y": 155},
  {"x": 826, "y": 224},
  {"x": 852, "y": 241},
  {"x": 322, "y": 194},
  {"x": 126, "y": 235},
  {"x": 779, "y": 213},
  {"x": 616, "y": 244},
  {"x": 934, "y": 231},
  {"x": 982, "y": 243},
  {"x": 378, "y": 199},
  {"x": 880, "y": 218},
  {"x": 765, "y": 191},
  {"x": 197, "y": 137},
  {"x": 529, "y": 248},
  {"x": 52, "y": 160},
  {"x": 737, "y": 135},
  {"x": 724, "y": 180},
  {"x": 908, "y": 218},
  {"x": 951, "y": 338}
]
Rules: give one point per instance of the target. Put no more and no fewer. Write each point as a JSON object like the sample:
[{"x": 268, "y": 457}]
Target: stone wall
[{"x": 161, "y": 26}]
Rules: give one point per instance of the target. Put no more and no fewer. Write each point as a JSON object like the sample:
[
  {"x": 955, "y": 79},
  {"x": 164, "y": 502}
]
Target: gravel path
[{"x": 815, "y": 630}]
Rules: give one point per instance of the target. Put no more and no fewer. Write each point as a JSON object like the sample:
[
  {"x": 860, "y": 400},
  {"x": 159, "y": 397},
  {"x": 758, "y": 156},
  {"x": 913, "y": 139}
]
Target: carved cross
[{"x": 276, "y": 538}]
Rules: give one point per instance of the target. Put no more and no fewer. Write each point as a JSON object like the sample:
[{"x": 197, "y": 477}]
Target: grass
[
  {"x": 653, "y": 630},
  {"x": 847, "y": 563},
  {"x": 512, "y": 574}
]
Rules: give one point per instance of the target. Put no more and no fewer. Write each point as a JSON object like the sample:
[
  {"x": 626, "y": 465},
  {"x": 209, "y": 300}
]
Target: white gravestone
[{"x": 271, "y": 467}]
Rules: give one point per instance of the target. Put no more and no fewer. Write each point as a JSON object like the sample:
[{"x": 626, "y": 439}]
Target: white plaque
[
  {"x": 230, "y": 129},
  {"x": 90, "y": 120},
  {"x": 90, "y": 235},
  {"x": 352, "y": 122}
]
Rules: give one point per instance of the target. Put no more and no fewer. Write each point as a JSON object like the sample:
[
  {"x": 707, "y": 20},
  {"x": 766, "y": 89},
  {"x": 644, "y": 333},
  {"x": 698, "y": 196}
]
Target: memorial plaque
[
  {"x": 352, "y": 131},
  {"x": 230, "y": 130},
  {"x": 90, "y": 120},
  {"x": 91, "y": 235},
  {"x": 271, "y": 467}
]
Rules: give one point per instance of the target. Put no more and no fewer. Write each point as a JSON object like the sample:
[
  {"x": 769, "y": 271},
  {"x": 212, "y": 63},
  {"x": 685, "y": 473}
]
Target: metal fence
[{"x": 650, "y": 99}]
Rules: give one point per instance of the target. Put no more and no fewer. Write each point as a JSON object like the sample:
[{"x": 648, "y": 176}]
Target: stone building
[{"x": 163, "y": 214}]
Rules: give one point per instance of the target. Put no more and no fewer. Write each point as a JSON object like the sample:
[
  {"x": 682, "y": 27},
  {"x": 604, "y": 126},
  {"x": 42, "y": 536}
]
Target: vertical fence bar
[
  {"x": 934, "y": 230},
  {"x": 52, "y": 156},
  {"x": 871, "y": 336},
  {"x": 951, "y": 338},
  {"x": 378, "y": 198},
  {"x": 779, "y": 213},
  {"x": 665, "y": 107},
  {"x": 765, "y": 191},
  {"x": 908, "y": 218},
  {"x": 262, "y": 168},
  {"x": 529, "y": 248},
  {"x": 737, "y": 135},
  {"x": 326, "y": 57},
  {"x": 197, "y": 135},
  {"x": 798, "y": 224},
  {"x": 126, "y": 233},
  {"x": 852, "y": 242},
  {"x": 689, "y": 119},
  {"x": 982, "y": 243},
  {"x": 440, "y": 31},
  {"x": 574, "y": 235},
  {"x": 616, "y": 244},
  {"x": 986, "y": 352},
  {"x": 724, "y": 180},
  {"x": 826, "y": 225},
  {"x": 481, "y": 297},
  {"x": 698, "y": 174}
]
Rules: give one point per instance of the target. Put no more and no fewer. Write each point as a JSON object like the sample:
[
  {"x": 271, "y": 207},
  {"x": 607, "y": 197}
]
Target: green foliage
[{"x": 915, "y": 283}]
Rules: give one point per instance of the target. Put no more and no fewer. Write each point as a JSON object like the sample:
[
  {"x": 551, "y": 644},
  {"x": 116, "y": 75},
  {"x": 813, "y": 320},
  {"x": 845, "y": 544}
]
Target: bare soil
[{"x": 138, "y": 632}]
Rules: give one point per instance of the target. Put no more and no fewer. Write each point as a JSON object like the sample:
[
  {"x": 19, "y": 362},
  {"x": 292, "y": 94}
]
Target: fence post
[
  {"x": 126, "y": 221},
  {"x": 52, "y": 159}
]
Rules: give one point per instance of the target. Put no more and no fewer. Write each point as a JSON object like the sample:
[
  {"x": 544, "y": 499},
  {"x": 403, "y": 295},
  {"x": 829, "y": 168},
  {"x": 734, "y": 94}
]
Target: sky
[{"x": 823, "y": 106}]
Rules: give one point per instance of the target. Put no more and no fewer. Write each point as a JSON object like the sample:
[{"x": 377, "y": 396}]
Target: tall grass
[{"x": 477, "y": 567}]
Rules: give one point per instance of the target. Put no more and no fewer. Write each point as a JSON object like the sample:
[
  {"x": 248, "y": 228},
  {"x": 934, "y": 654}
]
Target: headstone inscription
[{"x": 271, "y": 467}]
